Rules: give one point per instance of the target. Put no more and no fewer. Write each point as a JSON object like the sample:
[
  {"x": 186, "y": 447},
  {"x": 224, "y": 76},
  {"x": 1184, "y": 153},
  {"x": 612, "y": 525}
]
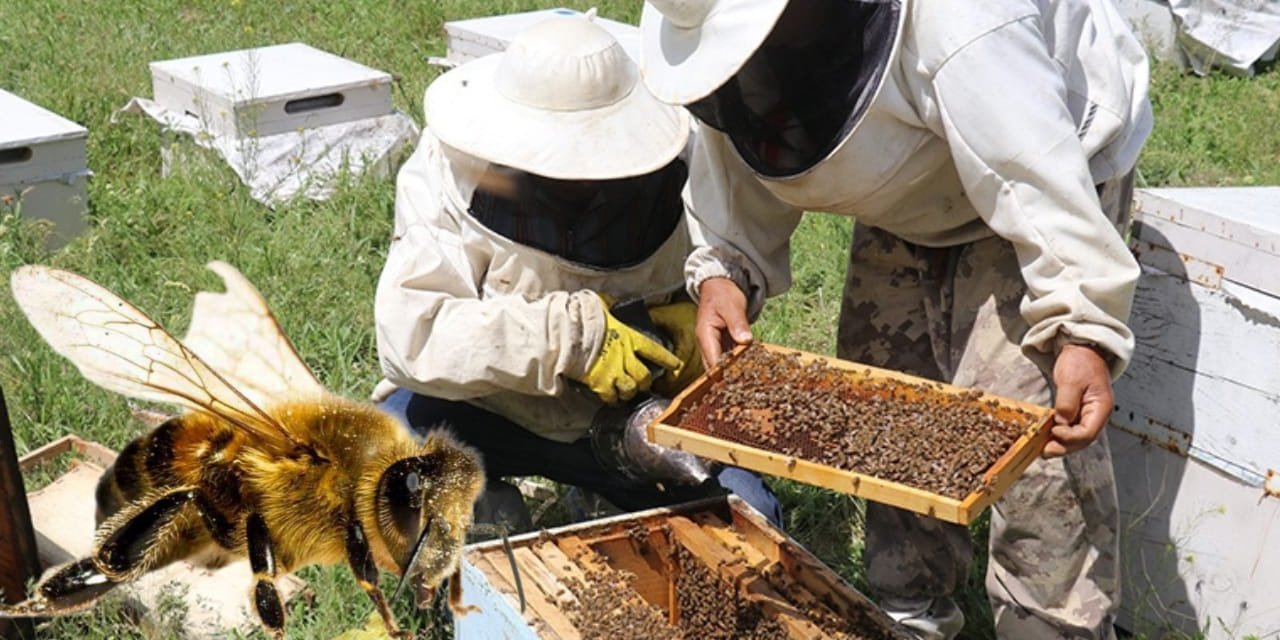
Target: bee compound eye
[{"x": 401, "y": 496}]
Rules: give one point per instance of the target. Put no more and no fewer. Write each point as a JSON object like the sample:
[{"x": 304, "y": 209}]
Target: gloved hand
[
  {"x": 622, "y": 367},
  {"x": 678, "y": 320}
]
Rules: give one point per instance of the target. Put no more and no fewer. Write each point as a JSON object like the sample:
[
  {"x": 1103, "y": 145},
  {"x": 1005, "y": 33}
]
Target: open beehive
[
  {"x": 913, "y": 443},
  {"x": 708, "y": 570}
]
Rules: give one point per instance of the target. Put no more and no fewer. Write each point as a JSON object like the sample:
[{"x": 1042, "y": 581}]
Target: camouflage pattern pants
[{"x": 951, "y": 314}]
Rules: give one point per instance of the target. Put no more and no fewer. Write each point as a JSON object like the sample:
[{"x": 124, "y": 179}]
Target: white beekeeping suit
[
  {"x": 466, "y": 313},
  {"x": 984, "y": 149},
  {"x": 940, "y": 126}
]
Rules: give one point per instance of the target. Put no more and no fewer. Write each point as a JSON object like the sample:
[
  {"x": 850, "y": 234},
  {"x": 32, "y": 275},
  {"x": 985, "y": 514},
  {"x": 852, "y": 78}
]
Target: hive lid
[
  {"x": 1245, "y": 215},
  {"x": 25, "y": 123},
  {"x": 1218, "y": 233},
  {"x": 499, "y": 30},
  {"x": 270, "y": 73}
]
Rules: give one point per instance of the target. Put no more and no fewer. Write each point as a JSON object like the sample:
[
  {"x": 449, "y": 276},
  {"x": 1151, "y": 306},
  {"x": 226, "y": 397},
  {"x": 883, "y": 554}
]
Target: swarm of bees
[{"x": 264, "y": 462}]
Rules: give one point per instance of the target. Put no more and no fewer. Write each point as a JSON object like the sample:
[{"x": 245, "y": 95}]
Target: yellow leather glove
[
  {"x": 678, "y": 320},
  {"x": 622, "y": 367}
]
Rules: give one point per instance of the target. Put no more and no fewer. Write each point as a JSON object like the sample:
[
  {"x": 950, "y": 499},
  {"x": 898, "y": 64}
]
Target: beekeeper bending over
[
  {"x": 986, "y": 150},
  {"x": 546, "y": 191}
]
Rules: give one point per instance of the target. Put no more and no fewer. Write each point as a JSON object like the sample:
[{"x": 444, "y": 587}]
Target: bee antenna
[
  {"x": 501, "y": 530},
  {"x": 515, "y": 571}
]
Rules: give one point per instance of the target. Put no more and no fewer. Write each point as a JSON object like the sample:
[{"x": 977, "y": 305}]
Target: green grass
[{"x": 317, "y": 263}]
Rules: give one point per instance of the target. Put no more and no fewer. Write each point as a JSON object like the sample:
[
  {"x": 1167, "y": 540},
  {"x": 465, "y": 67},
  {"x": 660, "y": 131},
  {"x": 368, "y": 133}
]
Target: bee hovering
[{"x": 263, "y": 463}]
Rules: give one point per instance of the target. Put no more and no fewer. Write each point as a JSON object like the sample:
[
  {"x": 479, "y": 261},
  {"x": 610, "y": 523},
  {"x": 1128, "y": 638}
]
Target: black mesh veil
[
  {"x": 606, "y": 224},
  {"x": 807, "y": 85}
]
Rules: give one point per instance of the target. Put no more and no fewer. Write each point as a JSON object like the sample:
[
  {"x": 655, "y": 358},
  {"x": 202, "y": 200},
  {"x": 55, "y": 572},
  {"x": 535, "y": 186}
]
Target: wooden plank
[
  {"x": 18, "y": 559},
  {"x": 807, "y": 570},
  {"x": 664, "y": 431},
  {"x": 539, "y": 614},
  {"x": 557, "y": 562},
  {"x": 1006, "y": 470},
  {"x": 751, "y": 586},
  {"x": 547, "y": 587},
  {"x": 92, "y": 451},
  {"x": 1199, "y": 328},
  {"x": 581, "y": 553},
  {"x": 1235, "y": 228},
  {"x": 662, "y": 550},
  {"x": 869, "y": 487},
  {"x": 488, "y": 611},
  {"x": 651, "y": 578},
  {"x": 1188, "y": 527},
  {"x": 783, "y": 575},
  {"x": 1191, "y": 388},
  {"x": 535, "y": 568},
  {"x": 592, "y": 562}
]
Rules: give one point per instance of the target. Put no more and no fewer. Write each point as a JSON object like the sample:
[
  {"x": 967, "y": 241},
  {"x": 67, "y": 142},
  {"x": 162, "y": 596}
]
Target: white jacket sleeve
[
  {"x": 435, "y": 333},
  {"x": 740, "y": 230},
  {"x": 1002, "y": 102}
]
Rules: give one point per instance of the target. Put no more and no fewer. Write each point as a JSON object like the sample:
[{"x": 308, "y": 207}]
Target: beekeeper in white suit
[
  {"x": 986, "y": 150},
  {"x": 545, "y": 193}
]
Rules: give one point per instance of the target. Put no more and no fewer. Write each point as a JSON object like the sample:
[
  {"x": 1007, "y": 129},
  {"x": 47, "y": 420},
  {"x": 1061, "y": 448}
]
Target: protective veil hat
[
  {"x": 691, "y": 47},
  {"x": 563, "y": 101}
]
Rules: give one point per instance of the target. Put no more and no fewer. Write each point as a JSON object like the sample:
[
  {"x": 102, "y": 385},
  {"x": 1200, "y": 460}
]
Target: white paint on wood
[
  {"x": 1206, "y": 318},
  {"x": 43, "y": 166},
  {"x": 1237, "y": 228},
  {"x": 493, "y": 616},
  {"x": 478, "y": 37},
  {"x": 270, "y": 90},
  {"x": 1200, "y": 530},
  {"x": 27, "y": 123},
  {"x": 1198, "y": 550}
]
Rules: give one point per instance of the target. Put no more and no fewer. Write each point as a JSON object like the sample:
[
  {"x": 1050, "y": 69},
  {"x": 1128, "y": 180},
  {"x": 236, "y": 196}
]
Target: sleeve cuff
[
  {"x": 1115, "y": 349},
  {"x": 701, "y": 266}
]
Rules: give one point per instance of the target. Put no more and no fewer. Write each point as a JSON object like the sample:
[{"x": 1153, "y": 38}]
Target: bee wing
[
  {"x": 236, "y": 334},
  {"x": 121, "y": 349}
]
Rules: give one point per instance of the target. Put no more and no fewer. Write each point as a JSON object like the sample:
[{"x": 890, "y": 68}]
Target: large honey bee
[{"x": 263, "y": 462}]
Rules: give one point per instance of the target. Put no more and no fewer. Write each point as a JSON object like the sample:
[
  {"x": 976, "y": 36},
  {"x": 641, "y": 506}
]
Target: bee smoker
[
  {"x": 620, "y": 442},
  {"x": 618, "y": 433}
]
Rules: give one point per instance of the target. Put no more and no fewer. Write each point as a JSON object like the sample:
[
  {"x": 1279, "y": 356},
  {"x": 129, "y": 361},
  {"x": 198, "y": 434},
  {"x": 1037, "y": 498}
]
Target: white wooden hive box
[
  {"x": 271, "y": 90},
  {"x": 1197, "y": 447},
  {"x": 1207, "y": 318},
  {"x": 478, "y": 37},
  {"x": 43, "y": 164}
]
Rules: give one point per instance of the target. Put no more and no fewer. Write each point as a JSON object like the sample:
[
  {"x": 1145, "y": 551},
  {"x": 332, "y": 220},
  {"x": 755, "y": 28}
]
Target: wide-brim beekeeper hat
[
  {"x": 691, "y": 47},
  {"x": 564, "y": 100}
]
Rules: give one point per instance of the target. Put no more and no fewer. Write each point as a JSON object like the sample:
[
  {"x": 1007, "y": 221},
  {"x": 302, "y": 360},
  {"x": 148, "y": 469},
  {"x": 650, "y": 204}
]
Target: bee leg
[
  {"x": 455, "y": 597},
  {"x": 74, "y": 587},
  {"x": 146, "y": 534},
  {"x": 142, "y": 536},
  {"x": 366, "y": 572},
  {"x": 262, "y": 559}
]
